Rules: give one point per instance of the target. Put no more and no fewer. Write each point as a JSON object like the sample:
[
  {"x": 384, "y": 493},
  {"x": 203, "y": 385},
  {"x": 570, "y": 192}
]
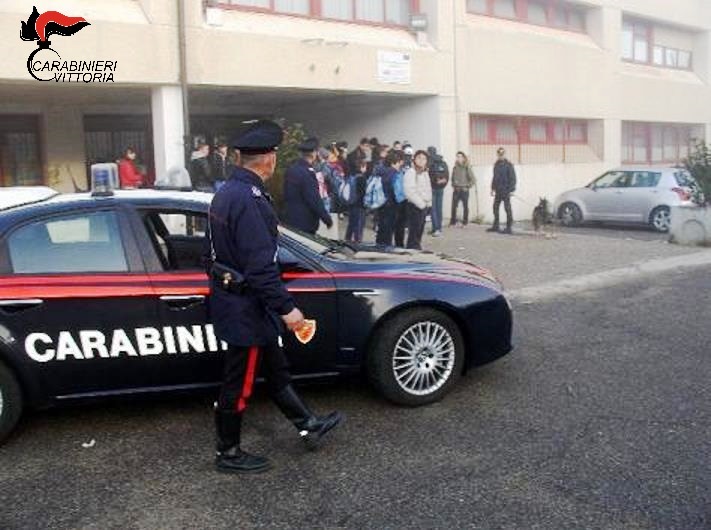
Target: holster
[{"x": 227, "y": 278}]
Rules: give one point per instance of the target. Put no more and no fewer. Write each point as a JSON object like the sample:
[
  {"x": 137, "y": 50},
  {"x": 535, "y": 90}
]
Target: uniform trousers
[{"x": 242, "y": 364}]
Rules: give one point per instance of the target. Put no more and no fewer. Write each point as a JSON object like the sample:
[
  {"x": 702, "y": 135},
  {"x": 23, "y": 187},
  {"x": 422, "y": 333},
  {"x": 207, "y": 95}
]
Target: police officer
[
  {"x": 250, "y": 307},
  {"x": 304, "y": 206}
]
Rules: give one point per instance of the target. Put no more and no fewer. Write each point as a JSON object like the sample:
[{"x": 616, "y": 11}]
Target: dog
[{"x": 541, "y": 215}]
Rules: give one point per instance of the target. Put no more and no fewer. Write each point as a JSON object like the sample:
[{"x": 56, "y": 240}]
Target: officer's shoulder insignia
[{"x": 256, "y": 191}]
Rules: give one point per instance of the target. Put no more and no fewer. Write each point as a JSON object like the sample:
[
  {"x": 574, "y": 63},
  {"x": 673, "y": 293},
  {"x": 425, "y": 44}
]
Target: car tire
[
  {"x": 11, "y": 401},
  {"x": 660, "y": 219},
  {"x": 416, "y": 376},
  {"x": 570, "y": 214}
]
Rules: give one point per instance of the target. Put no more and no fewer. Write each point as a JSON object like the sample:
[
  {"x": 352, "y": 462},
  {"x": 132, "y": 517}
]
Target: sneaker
[
  {"x": 493, "y": 229},
  {"x": 437, "y": 233},
  {"x": 508, "y": 231}
]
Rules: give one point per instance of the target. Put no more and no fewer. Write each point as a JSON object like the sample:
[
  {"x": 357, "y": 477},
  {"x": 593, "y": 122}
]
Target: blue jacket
[
  {"x": 304, "y": 207},
  {"x": 244, "y": 234},
  {"x": 387, "y": 176}
]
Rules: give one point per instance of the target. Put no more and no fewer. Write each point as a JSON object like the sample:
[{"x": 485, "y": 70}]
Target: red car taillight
[{"x": 682, "y": 193}]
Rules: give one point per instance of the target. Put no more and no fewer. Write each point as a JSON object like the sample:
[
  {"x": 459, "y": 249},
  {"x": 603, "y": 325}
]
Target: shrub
[{"x": 698, "y": 164}]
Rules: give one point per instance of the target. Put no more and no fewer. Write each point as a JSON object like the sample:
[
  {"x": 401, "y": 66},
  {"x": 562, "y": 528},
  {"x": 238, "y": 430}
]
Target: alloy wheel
[{"x": 424, "y": 358}]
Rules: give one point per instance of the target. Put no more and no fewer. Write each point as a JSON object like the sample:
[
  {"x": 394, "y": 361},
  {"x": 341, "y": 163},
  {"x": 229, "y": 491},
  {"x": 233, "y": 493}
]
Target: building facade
[{"x": 569, "y": 88}]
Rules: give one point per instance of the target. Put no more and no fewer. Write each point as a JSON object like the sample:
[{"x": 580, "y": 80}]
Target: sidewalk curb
[{"x": 607, "y": 278}]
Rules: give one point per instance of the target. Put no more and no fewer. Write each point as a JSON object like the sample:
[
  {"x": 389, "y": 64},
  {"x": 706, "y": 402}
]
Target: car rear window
[
  {"x": 684, "y": 179},
  {"x": 78, "y": 243}
]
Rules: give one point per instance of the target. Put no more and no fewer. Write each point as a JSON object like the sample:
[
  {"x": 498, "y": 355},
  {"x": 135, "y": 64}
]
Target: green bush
[
  {"x": 698, "y": 164},
  {"x": 294, "y": 134}
]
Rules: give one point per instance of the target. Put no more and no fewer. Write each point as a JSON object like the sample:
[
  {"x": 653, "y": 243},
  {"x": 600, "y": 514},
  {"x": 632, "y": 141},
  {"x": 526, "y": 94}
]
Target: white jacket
[{"x": 418, "y": 188}]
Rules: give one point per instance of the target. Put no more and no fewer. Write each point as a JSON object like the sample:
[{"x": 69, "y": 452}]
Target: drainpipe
[{"x": 183, "y": 76}]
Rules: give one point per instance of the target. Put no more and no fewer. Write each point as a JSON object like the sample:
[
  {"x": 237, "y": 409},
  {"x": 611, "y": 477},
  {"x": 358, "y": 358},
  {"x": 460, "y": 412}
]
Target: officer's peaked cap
[
  {"x": 308, "y": 145},
  {"x": 261, "y": 137}
]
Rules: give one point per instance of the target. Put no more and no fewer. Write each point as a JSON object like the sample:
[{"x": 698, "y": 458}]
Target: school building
[{"x": 569, "y": 88}]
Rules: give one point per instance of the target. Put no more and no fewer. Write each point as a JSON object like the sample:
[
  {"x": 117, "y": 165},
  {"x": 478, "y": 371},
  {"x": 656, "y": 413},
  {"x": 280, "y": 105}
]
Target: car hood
[{"x": 419, "y": 263}]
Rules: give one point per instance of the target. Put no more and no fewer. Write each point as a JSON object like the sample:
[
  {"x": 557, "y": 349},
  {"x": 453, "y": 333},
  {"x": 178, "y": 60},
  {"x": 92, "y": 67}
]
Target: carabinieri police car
[{"x": 105, "y": 296}]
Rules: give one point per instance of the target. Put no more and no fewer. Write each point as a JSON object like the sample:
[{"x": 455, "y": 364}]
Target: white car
[{"x": 642, "y": 195}]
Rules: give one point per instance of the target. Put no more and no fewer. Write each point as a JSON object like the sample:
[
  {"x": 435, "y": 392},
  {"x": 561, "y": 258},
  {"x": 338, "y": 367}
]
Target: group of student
[{"x": 398, "y": 185}]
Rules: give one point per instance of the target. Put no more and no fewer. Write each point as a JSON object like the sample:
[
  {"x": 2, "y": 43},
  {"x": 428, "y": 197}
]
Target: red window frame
[
  {"x": 523, "y": 130},
  {"x": 521, "y": 7},
  {"x": 632, "y": 131},
  {"x": 315, "y": 13}
]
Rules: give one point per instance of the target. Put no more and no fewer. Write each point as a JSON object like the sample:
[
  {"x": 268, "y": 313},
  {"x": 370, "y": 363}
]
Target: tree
[
  {"x": 698, "y": 164},
  {"x": 288, "y": 153}
]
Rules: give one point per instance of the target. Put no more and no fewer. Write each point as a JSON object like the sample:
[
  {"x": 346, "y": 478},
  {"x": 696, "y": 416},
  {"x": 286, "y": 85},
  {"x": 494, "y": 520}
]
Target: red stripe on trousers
[{"x": 248, "y": 378}]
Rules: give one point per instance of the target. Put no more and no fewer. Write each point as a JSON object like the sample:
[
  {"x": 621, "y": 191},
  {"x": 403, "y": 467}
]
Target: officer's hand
[
  {"x": 329, "y": 224},
  {"x": 492, "y": 193},
  {"x": 293, "y": 320}
]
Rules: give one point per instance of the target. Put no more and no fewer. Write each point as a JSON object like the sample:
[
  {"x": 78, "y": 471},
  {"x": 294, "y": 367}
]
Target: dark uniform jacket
[
  {"x": 304, "y": 207},
  {"x": 504, "y": 181},
  {"x": 244, "y": 234}
]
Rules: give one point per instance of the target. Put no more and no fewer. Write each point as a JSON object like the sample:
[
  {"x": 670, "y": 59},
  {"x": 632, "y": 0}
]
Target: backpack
[
  {"x": 399, "y": 187},
  {"x": 374, "y": 193},
  {"x": 347, "y": 192},
  {"x": 438, "y": 167}
]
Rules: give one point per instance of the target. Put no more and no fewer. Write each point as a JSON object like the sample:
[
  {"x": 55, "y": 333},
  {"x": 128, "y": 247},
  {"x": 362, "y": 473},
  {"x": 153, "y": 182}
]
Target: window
[
  {"x": 296, "y": 7},
  {"x": 20, "y": 159},
  {"x": 178, "y": 238},
  {"x": 657, "y": 143},
  {"x": 612, "y": 179},
  {"x": 555, "y": 13},
  {"x": 388, "y": 12},
  {"x": 505, "y": 8},
  {"x": 492, "y": 130},
  {"x": 645, "y": 179},
  {"x": 478, "y": 6},
  {"x": 538, "y": 13},
  {"x": 77, "y": 243},
  {"x": 639, "y": 46}
]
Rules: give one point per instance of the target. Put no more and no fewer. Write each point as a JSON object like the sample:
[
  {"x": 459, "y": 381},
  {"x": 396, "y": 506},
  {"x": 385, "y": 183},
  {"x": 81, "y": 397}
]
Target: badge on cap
[{"x": 256, "y": 191}]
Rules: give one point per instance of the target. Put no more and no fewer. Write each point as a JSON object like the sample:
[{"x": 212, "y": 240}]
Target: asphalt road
[{"x": 600, "y": 419}]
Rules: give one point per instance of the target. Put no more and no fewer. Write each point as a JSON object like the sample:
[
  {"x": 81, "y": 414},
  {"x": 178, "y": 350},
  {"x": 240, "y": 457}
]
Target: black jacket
[
  {"x": 244, "y": 233},
  {"x": 438, "y": 169},
  {"x": 304, "y": 207},
  {"x": 221, "y": 167},
  {"x": 504, "y": 181},
  {"x": 200, "y": 174}
]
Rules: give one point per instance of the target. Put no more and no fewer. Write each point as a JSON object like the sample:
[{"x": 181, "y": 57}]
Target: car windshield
[{"x": 317, "y": 244}]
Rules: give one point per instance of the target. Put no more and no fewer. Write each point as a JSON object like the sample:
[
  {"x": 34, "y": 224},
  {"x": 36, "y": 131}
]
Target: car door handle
[
  {"x": 366, "y": 292},
  {"x": 182, "y": 301},
  {"x": 15, "y": 306}
]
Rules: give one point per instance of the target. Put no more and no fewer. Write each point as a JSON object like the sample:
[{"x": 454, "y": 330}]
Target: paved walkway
[{"x": 527, "y": 259}]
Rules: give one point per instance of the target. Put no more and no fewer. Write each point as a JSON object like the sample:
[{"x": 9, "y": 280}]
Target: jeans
[
  {"x": 400, "y": 224},
  {"x": 460, "y": 195},
  {"x": 386, "y": 224},
  {"x": 506, "y": 199},
  {"x": 356, "y": 223},
  {"x": 437, "y": 198},
  {"x": 416, "y": 224}
]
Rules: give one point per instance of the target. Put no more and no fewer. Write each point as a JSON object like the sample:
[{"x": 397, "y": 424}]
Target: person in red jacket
[{"x": 129, "y": 176}]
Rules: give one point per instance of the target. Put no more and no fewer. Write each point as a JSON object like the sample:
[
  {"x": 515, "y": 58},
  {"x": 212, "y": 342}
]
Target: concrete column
[
  {"x": 702, "y": 56},
  {"x": 612, "y": 151},
  {"x": 605, "y": 27},
  {"x": 64, "y": 148},
  {"x": 168, "y": 128}
]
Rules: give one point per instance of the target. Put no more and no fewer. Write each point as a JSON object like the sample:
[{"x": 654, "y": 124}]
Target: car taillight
[{"x": 682, "y": 193}]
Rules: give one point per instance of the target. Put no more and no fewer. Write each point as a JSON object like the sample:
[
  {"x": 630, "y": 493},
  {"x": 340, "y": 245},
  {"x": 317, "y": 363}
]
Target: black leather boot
[
  {"x": 311, "y": 428},
  {"x": 230, "y": 458}
]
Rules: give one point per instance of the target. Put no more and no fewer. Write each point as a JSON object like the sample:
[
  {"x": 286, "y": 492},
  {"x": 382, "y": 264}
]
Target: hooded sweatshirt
[
  {"x": 418, "y": 189},
  {"x": 463, "y": 176}
]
